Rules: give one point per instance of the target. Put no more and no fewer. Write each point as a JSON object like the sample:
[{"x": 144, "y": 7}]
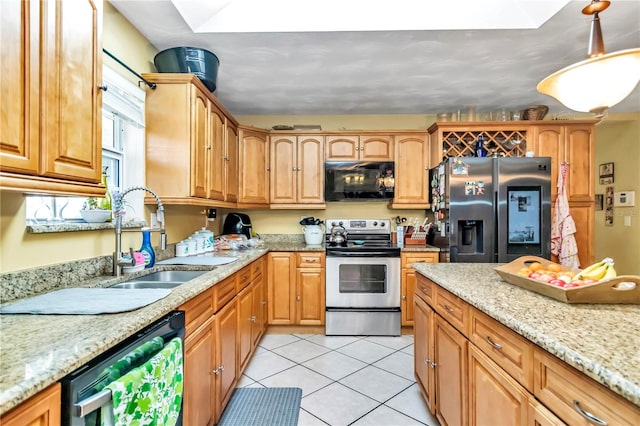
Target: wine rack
[{"x": 498, "y": 143}]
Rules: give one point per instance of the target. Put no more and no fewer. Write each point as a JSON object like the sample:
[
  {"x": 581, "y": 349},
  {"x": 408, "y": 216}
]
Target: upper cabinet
[
  {"x": 51, "y": 110},
  {"x": 411, "y": 171},
  {"x": 253, "y": 175},
  {"x": 191, "y": 143},
  {"x": 359, "y": 148},
  {"x": 297, "y": 171}
]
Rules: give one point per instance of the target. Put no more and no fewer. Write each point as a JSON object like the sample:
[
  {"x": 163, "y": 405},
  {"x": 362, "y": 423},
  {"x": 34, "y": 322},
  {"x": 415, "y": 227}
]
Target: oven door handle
[
  {"x": 359, "y": 254},
  {"x": 92, "y": 403}
]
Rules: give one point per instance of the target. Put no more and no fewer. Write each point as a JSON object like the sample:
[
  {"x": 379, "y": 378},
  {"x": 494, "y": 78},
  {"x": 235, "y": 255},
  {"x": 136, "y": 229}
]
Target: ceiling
[{"x": 392, "y": 72}]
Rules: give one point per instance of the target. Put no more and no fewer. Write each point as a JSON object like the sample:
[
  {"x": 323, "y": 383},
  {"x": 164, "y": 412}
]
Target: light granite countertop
[
  {"x": 600, "y": 340},
  {"x": 38, "y": 350}
]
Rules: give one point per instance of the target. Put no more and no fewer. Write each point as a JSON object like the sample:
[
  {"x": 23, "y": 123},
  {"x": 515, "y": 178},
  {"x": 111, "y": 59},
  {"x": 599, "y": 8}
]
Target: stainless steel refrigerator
[{"x": 492, "y": 209}]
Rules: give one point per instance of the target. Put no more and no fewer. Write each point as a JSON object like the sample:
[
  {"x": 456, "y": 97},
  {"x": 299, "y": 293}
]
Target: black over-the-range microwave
[{"x": 359, "y": 181}]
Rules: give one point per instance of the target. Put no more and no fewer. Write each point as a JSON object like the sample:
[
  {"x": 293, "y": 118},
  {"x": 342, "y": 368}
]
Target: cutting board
[
  {"x": 86, "y": 301},
  {"x": 201, "y": 260}
]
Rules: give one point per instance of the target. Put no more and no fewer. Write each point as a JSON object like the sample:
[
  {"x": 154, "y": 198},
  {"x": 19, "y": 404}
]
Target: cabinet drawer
[
  {"x": 453, "y": 309},
  {"x": 257, "y": 268},
  {"x": 425, "y": 289},
  {"x": 566, "y": 391},
  {"x": 508, "y": 349},
  {"x": 409, "y": 259},
  {"x": 245, "y": 275},
  {"x": 224, "y": 291},
  {"x": 198, "y": 310},
  {"x": 310, "y": 260}
]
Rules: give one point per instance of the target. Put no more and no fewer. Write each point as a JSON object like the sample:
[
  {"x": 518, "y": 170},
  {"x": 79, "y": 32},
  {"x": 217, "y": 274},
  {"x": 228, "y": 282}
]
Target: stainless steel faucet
[{"x": 118, "y": 209}]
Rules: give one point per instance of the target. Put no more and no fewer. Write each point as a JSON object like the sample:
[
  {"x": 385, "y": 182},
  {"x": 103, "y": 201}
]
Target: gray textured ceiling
[{"x": 404, "y": 72}]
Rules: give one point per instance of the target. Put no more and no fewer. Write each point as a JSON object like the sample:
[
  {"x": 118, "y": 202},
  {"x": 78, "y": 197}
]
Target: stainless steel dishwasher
[{"x": 81, "y": 403}]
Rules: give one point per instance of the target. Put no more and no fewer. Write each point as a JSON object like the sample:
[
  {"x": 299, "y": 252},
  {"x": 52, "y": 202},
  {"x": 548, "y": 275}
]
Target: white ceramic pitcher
[{"x": 313, "y": 234}]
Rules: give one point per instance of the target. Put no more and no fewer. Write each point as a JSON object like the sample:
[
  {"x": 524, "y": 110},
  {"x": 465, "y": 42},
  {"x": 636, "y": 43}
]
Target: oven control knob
[
  {"x": 340, "y": 223},
  {"x": 375, "y": 223},
  {"x": 382, "y": 224}
]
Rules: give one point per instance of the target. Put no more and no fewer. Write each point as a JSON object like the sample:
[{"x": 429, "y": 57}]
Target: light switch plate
[
  {"x": 627, "y": 220},
  {"x": 624, "y": 199}
]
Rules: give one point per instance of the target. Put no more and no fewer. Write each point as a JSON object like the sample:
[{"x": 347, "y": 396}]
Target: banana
[
  {"x": 595, "y": 274},
  {"x": 591, "y": 267},
  {"x": 611, "y": 273}
]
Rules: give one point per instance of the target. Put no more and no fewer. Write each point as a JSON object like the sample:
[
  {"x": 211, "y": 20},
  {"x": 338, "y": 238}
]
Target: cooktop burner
[{"x": 358, "y": 234}]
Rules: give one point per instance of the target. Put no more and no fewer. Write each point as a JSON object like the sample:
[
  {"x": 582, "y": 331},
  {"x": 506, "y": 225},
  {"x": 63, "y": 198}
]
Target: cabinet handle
[
  {"x": 209, "y": 147},
  {"x": 253, "y": 318},
  {"x": 587, "y": 415},
  {"x": 103, "y": 87},
  {"x": 294, "y": 169},
  {"x": 494, "y": 344},
  {"x": 264, "y": 302},
  {"x": 404, "y": 297},
  {"x": 448, "y": 308},
  {"x": 298, "y": 298},
  {"x": 244, "y": 277},
  {"x": 423, "y": 289},
  {"x": 427, "y": 361},
  {"x": 218, "y": 370},
  {"x": 311, "y": 260},
  {"x": 433, "y": 365}
]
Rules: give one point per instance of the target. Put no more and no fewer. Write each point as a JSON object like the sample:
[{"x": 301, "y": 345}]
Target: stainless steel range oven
[{"x": 362, "y": 278}]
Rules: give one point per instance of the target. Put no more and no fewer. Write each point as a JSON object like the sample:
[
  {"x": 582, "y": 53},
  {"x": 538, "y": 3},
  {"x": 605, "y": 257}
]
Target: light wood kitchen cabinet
[
  {"x": 494, "y": 397},
  {"x": 296, "y": 288},
  {"x": 411, "y": 171},
  {"x": 359, "y": 148},
  {"x": 408, "y": 282},
  {"x": 52, "y": 111},
  {"x": 42, "y": 409},
  {"x": 423, "y": 352},
  {"x": 297, "y": 171},
  {"x": 450, "y": 358},
  {"x": 506, "y": 379},
  {"x": 577, "y": 399},
  {"x": 251, "y": 305},
  {"x": 191, "y": 143},
  {"x": 253, "y": 170},
  {"x": 199, "y": 380},
  {"x": 226, "y": 326}
]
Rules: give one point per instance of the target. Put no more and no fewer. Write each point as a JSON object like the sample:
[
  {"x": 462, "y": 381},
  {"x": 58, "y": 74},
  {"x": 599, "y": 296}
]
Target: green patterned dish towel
[{"x": 150, "y": 395}]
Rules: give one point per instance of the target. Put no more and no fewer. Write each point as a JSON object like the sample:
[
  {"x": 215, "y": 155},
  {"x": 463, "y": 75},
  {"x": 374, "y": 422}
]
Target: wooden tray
[{"x": 606, "y": 291}]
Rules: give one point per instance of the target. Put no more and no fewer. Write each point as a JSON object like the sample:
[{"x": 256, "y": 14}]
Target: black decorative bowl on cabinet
[{"x": 191, "y": 60}]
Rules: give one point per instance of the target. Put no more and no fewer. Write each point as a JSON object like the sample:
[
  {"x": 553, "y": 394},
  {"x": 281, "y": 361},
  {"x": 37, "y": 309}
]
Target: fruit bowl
[
  {"x": 95, "y": 215},
  {"x": 621, "y": 289}
]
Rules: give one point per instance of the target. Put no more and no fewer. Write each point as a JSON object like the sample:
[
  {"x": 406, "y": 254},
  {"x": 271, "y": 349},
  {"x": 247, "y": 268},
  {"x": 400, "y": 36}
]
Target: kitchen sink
[{"x": 162, "y": 279}]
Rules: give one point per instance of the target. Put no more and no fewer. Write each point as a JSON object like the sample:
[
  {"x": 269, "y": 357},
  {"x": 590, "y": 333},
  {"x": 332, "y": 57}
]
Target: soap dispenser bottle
[{"x": 146, "y": 249}]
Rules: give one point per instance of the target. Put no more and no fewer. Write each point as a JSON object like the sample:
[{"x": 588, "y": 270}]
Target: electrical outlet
[{"x": 154, "y": 220}]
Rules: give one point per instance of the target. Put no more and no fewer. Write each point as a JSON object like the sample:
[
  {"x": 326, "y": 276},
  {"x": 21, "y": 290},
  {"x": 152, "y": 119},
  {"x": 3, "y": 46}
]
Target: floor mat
[{"x": 262, "y": 406}]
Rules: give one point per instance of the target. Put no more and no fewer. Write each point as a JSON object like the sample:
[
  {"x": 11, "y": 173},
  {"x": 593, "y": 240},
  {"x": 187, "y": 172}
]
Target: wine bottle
[{"x": 481, "y": 151}]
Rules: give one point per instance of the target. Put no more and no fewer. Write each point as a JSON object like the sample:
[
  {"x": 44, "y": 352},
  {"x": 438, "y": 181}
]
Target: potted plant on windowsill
[{"x": 92, "y": 213}]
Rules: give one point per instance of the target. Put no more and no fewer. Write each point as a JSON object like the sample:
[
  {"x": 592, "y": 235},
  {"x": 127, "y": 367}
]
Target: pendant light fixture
[{"x": 597, "y": 83}]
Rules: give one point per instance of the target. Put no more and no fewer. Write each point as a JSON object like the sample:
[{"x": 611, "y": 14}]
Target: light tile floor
[{"x": 345, "y": 380}]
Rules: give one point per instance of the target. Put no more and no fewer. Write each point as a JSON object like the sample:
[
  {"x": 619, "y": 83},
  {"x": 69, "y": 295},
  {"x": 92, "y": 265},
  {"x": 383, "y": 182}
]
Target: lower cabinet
[
  {"x": 474, "y": 370},
  {"x": 296, "y": 288},
  {"x": 42, "y": 409},
  {"x": 408, "y": 282},
  {"x": 218, "y": 344}
]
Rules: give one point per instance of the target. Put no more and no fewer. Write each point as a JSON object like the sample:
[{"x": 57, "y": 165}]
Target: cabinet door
[
  {"x": 226, "y": 356},
  {"x": 253, "y": 185},
  {"x": 450, "y": 353},
  {"x": 71, "y": 103},
  {"x": 281, "y": 298},
  {"x": 342, "y": 148},
  {"x": 310, "y": 178},
  {"x": 310, "y": 306},
  {"x": 412, "y": 172},
  {"x": 583, "y": 216},
  {"x": 408, "y": 289},
  {"x": 20, "y": 66},
  {"x": 423, "y": 347},
  {"x": 216, "y": 147},
  {"x": 259, "y": 310},
  {"x": 540, "y": 416},
  {"x": 245, "y": 324},
  {"x": 231, "y": 168},
  {"x": 200, "y": 143},
  {"x": 580, "y": 156},
  {"x": 376, "y": 148},
  {"x": 548, "y": 141},
  {"x": 198, "y": 401},
  {"x": 283, "y": 170},
  {"x": 42, "y": 409},
  {"x": 494, "y": 397}
]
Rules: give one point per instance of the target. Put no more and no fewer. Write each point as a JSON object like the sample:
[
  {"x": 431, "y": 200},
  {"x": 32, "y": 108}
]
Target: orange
[
  {"x": 554, "y": 267},
  {"x": 535, "y": 266}
]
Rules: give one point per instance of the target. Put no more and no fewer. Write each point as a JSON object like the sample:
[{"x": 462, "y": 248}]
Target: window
[{"x": 122, "y": 155}]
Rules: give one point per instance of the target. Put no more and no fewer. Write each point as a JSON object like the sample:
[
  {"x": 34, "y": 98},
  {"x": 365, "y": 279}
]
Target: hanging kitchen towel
[
  {"x": 152, "y": 393},
  {"x": 563, "y": 228}
]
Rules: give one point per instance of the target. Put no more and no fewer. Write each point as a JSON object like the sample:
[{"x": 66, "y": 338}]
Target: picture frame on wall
[{"x": 606, "y": 173}]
